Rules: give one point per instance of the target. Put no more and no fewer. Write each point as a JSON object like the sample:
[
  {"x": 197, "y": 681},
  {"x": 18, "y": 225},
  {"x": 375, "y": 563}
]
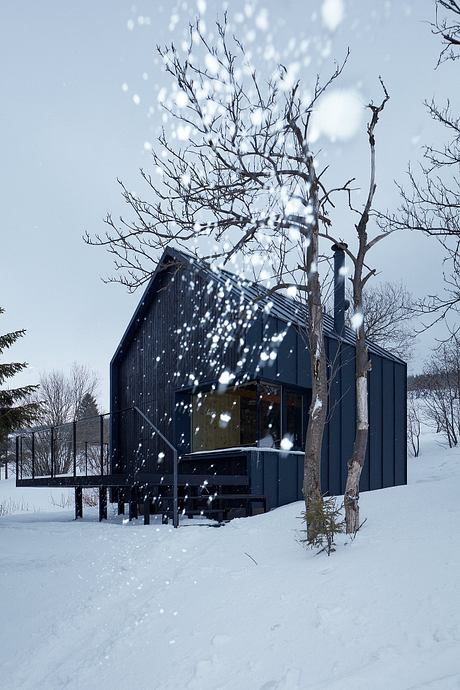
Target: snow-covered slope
[
  {"x": 242, "y": 607},
  {"x": 27, "y": 499}
]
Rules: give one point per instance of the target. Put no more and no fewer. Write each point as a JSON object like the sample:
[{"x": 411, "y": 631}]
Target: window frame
[{"x": 305, "y": 394}]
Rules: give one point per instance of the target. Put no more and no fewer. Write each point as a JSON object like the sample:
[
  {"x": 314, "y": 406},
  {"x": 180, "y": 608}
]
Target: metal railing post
[
  {"x": 17, "y": 458},
  {"x": 175, "y": 490},
  {"x": 52, "y": 451},
  {"x": 101, "y": 441},
  {"x": 74, "y": 444},
  {"x": 175, "y": 467},
  {"x": 33, "y": 454}
]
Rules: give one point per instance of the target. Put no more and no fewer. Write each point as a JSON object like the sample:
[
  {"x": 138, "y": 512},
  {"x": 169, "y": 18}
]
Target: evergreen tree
[
  {"x": 87, "y": 407},
  {"x": 89, "y": 433},
  {"x": 15, "y": 410}
]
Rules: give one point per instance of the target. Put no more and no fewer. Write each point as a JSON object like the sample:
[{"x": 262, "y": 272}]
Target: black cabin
[{"x": 214, "y": 367}]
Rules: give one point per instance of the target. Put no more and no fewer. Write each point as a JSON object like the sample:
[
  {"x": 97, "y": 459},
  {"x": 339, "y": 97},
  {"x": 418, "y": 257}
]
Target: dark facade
[
  {"x": 213, "y": 370},
  {"x": 202, "y": 341}
]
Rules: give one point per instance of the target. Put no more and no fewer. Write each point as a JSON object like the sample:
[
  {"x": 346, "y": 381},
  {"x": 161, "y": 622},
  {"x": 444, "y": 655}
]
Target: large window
[
  {"x": 249, "y": 415},
  {"x": 225, "y": 420}
]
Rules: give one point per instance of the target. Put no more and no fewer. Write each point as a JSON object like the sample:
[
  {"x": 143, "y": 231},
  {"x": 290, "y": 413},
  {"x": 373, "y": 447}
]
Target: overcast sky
[{"x": 79, "y": 101}]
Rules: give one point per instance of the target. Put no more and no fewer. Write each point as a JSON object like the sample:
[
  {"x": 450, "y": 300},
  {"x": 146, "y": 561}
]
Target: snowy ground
[{"x": 242, "y": 607}]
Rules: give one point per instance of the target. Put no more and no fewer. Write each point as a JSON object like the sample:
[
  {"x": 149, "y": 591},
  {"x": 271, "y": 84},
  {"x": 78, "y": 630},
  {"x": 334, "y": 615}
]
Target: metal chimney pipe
[{"x": 340, "y": 303}]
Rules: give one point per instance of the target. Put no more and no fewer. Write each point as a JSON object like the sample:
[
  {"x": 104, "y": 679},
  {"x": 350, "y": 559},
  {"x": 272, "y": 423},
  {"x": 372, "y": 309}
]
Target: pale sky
[{"x": 69, "y": 128}]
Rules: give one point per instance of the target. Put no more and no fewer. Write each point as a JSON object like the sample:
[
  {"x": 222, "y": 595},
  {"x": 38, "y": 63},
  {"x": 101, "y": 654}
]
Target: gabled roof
[{"x": 278, "y": 305}]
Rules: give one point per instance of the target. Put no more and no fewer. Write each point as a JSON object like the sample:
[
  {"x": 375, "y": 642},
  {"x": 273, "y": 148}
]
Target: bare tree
[
  {"x": 414, "y": 424},
  {"x": 361, "y": 274},
  {"x": 447, "y": 26},
  {"x": 244, "y": 184},
  {"x": 61, "y": 396},
  {"x": 441, "y": 392},
  {"x": 431, "y": 201},
  {"x": 389, "y": 309}
]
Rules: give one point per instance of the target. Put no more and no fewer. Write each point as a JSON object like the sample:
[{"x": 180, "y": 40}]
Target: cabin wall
[
  {"x": 387, "y": 446},
  {"x": 340, "y": 429},
  {"x": 277, "y": 476},
  {"x": 386, "y": 458},
  {"x": 172, "y": 346},
  {"x": 168, "y": 351}
]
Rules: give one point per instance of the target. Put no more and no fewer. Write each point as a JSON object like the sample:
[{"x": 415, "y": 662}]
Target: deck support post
[
  {"x": 147, "y": 506},
  {"x": 121, "y": 502},
  {"x": 133, "y": 507},
  {"x": 102, "y": 503},
  {"x": 175, "y": 490},
  {"x": 78, "y": 503}
]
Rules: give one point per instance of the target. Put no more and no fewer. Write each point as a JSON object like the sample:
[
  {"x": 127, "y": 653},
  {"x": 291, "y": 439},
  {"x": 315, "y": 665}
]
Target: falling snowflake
[
  {"x": 224, "y": 419},
  {"x": 332, "y": 13},
  {"x": 286, "y": 443},
  {"x": 212, "y": 63},
  {"x": 181, "y": 99},
  {"x": 357, "y": 320},
  {"x": 262, "y": 22}
]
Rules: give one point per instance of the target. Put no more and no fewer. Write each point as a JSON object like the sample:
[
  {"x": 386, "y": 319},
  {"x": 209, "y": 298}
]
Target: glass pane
[
  {"x": 270, "y": 405},
  {"x": 224, "y": 420},
  {"x": 248, "y": 415},
  {"x": 294, "y": 419}
]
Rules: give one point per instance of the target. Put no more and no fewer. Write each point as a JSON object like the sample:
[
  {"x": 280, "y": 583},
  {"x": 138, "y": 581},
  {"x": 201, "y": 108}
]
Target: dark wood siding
[
  {"x": 334, "y": 427},
  {"x": 400, "y": 397},
  {"x": 287, "y": 355},
  {"x": 171, "y": 347},
  {"x": 388, "y": 427},
  {"x": 303, "y": 361},
  {"x": 348, "y": 398},
  {"x": 375, "y": 424}
]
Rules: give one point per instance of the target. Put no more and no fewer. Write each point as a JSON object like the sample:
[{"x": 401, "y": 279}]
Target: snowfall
[{"x": 244, "y": 606}]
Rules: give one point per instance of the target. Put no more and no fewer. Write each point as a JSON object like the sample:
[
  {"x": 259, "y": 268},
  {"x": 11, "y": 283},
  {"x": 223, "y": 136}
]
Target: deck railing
[
  {"x": 83, "y": 448},
  {"x": 78, "y": 448}
]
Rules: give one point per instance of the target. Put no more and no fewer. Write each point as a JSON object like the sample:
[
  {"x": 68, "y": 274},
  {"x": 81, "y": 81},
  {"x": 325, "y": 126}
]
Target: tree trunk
[
  {"x": 356, "y": 462},
  {"x": 318, "y": 408}
]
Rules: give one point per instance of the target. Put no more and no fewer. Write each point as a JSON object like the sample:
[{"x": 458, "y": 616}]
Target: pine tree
[
  {"x": 87, "y": 407},
  {"x": 89, "y": 433},
  {"x": 15, "y": 411}
]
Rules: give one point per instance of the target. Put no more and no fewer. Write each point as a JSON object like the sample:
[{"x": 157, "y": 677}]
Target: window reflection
[
  {"x": 294, "y": 419},
  {"x": 270, "y": 418},
  {"x": 248, "y": 415},
  {"x": 225, "y": 420}
]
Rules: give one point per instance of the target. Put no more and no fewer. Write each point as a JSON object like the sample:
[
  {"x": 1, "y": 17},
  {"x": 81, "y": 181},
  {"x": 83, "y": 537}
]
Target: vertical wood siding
[{"x": 172, "y": 345}]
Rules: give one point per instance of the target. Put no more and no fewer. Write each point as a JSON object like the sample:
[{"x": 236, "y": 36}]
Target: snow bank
[
  {"x": 242, "y": 606},
  {"x": 20, "y": 500}
]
